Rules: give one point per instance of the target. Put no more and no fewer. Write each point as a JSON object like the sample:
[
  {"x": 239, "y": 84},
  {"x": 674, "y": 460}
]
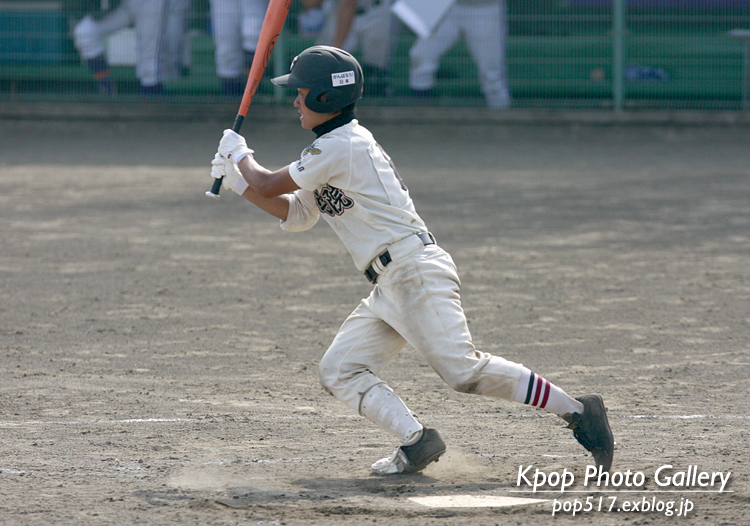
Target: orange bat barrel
[{"x": 273, "y": 23}]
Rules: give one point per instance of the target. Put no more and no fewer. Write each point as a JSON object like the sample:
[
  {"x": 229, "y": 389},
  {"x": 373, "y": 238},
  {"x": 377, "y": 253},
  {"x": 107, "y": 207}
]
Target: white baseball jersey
[{"x": 346, "y": 176}]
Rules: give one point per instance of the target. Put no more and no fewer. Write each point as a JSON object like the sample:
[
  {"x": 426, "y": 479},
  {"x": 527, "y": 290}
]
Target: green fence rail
[{"x": 568, "y": 53}]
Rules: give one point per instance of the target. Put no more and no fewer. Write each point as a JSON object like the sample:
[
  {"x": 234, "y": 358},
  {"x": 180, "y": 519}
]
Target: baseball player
[
  {"x": 484, "y": 26},
  {"x": 236, "y": 26},
  {"x": 346, "y": 177},
  {"x": 160, "y": 37}
]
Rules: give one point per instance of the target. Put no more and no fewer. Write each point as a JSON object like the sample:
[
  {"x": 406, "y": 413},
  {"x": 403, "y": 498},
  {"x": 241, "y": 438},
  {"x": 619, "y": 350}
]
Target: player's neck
[{"x": 345, "y": 117}]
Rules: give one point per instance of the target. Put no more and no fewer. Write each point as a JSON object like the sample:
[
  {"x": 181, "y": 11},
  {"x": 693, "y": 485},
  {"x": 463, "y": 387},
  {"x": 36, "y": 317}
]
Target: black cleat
[
  {"x": 410, "y": 459},
  {"x": 592, "y": 430}
]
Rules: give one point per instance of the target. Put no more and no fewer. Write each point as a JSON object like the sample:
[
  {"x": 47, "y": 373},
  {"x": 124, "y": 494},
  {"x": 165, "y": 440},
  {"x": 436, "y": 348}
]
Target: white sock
[{"x": 538, "y": 392}]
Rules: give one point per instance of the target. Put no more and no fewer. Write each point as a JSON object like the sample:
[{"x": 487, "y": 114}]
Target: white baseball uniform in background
[
  {"x": 160, "y": 27},
  {"x": 347, "y": 177},
  {"x": 483, "y": 25},
  {"x": 372, "y": 31},
  {"x": 236, "y": 26}
]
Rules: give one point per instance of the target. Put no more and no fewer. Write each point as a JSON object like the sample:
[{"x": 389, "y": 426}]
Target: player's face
[{"x": 309, "y": 119}]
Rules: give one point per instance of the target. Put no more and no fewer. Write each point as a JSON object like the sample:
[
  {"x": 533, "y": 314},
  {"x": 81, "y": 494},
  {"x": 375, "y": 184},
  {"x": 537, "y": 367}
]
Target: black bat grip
[{"x": 216, "y": 187}]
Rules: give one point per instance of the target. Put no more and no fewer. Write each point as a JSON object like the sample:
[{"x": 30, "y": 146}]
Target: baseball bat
[{"x": 273, "y": 23}]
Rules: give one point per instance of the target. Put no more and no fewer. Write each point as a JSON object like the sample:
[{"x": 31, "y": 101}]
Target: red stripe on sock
[
  {"x": 547, "y": 389},
  {"x": 539, "y": 383}
]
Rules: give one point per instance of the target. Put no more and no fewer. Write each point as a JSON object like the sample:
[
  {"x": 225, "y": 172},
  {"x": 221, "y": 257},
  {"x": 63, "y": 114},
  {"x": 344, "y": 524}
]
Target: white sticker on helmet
[{"x": 342, "y": 79}]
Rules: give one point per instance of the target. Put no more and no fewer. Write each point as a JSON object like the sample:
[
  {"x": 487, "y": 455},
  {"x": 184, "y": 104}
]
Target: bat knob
[{"x": 215, "y": 188}]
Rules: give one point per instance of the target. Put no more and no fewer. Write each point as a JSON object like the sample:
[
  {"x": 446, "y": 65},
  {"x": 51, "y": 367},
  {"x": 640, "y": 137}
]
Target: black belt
[{"x": 385, "y": 257}]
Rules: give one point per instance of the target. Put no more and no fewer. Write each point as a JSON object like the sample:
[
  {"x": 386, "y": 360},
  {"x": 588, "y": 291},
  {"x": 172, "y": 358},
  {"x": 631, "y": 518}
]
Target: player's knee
[
  {"x": 328, "y": 375},
  {"x": 339, "y": 379},
  {"x": 325, "y": 379},
  {"x": 461, "y": 383},
  {"x": 466, "y": 387}
]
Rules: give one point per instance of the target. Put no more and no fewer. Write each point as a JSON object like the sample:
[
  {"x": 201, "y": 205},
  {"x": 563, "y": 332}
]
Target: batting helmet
[{"x": 333, "y": 76}]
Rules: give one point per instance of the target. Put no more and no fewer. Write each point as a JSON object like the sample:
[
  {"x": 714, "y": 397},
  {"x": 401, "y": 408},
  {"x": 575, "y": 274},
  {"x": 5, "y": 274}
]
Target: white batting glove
[
  {"x": 228, "y": 170},
  {"x": 233, "y": 146}
]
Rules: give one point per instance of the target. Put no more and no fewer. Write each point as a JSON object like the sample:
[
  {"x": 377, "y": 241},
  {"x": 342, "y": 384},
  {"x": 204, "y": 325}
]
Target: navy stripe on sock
[{"x": 532, "y": 377}]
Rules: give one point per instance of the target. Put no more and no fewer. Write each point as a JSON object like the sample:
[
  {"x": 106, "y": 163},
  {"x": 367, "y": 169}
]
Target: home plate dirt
[{"x": 473, "y": 501}]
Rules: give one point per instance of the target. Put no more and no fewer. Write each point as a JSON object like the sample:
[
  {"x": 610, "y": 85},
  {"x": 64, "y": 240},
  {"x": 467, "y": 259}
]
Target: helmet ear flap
[{"x": 323, "y": 101}]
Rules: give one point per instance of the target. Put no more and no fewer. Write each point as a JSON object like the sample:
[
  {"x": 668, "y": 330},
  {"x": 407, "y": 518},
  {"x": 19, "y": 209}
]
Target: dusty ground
[{"x": 158, "y": 349}]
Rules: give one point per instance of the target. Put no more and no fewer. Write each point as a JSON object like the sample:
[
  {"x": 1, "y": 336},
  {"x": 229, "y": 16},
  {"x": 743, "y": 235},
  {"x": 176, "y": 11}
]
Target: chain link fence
[{"x": 620, "y": 54}]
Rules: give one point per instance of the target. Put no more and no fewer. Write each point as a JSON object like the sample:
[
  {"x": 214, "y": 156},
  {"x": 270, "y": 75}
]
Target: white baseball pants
[{"x": 416, "y": 300}]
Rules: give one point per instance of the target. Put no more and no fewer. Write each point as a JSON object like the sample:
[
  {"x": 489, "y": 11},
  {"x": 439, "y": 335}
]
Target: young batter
[{"x": 346, "y": 177}]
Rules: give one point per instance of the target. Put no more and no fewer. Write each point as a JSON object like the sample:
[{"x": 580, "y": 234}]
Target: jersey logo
[
  {"x": 312, "y": 150},
  {"x": 332, "y": 201}
]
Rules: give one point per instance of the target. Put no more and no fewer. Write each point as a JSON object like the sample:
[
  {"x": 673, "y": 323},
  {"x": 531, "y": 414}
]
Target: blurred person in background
[
  {"x": 236, "y": 26},
  {"x": 312, "y": 18},
  {"x": 160, "y": 29},
  {"x": 484, "y": 26},
  {"x": 364, "y": 26}
]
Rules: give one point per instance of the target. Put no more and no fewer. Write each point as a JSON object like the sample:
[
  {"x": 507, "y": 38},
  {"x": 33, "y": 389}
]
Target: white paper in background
[
  {"x": 422, "y": 16},
  {"x": 121, "y": 48}
]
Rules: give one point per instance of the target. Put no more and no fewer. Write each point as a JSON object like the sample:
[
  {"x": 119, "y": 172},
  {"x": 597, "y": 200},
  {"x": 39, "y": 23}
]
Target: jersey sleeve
[{"x": 303, "y": 212}]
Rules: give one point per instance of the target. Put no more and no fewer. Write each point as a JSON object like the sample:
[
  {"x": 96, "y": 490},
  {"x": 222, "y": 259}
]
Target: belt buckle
[
  {"x": 371, "y": 275},
  {"x": 427, "y": 238}
]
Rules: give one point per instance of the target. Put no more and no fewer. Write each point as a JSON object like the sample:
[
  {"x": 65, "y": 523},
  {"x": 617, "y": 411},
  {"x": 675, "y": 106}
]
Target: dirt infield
[{"x": 159, "y": 350}]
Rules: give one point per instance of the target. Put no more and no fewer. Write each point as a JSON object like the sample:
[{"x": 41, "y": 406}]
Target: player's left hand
[
  {"x": 233, "y": 146},
  {"x": 222, "y": 167}
]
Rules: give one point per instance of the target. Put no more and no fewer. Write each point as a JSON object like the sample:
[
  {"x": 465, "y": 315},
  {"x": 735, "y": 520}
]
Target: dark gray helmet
[{"x": 333, "y": 76}]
